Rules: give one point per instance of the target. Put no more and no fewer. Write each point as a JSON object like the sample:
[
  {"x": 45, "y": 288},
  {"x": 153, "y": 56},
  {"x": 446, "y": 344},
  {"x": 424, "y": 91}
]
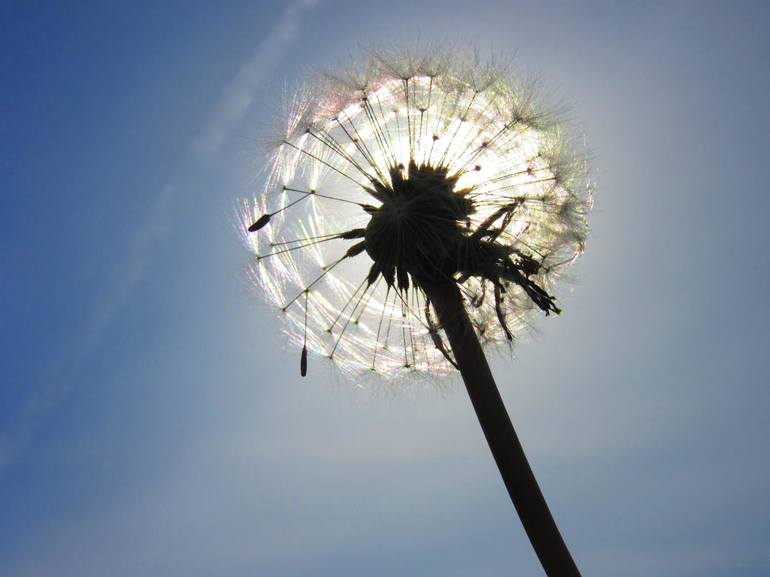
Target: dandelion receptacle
[{"x": 417, "y": 211}]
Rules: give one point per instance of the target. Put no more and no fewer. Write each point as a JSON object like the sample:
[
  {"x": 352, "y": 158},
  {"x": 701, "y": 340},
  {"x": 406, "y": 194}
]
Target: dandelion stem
[{"x": 499, "y": 432}]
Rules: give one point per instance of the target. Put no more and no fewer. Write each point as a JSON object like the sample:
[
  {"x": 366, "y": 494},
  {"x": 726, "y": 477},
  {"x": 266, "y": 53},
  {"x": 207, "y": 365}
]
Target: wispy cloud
[
  {"x": 124, "y": 281},
  {"x": 233, "y": 105},
  {"x": 239, "y": 94}
]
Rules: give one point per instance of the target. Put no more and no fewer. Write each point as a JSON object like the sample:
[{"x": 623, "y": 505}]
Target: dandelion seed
[{"x": 437, "y": 206}]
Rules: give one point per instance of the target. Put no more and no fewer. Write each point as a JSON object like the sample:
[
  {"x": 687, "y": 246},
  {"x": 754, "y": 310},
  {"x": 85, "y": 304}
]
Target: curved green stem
[{"x": 499, "y": 432}]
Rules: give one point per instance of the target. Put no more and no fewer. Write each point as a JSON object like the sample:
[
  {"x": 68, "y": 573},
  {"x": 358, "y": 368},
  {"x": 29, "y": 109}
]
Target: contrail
[
  {"x": 233, "y": 105},
  {"x": 239, "y": 94}
]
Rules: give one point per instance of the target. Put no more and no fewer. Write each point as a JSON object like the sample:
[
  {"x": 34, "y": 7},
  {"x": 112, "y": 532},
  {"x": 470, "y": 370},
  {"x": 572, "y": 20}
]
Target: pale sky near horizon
[{"x": 152, "y": 421}]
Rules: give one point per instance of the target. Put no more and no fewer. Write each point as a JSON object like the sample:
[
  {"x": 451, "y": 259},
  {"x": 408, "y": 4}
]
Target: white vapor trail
[
  {"x": 233, "y": 105},
  {"x": 124, "y": 281},
  {"x": 239, "y": 94}
]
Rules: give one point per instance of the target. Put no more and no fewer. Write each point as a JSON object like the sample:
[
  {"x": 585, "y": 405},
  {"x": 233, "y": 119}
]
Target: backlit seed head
[{"x": 407, "y": 171}]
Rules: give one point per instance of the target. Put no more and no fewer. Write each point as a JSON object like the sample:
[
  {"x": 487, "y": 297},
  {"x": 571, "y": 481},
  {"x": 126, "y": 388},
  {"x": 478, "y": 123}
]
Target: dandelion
[{"x": 419, "y": 208}]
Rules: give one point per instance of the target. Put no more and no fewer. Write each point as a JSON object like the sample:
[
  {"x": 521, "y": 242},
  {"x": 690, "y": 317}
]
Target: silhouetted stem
[{"x": 500, "y": 434}]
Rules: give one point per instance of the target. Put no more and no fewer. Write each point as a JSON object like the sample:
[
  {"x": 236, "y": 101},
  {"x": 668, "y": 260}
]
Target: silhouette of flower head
[{"x": 406, "y": 172}]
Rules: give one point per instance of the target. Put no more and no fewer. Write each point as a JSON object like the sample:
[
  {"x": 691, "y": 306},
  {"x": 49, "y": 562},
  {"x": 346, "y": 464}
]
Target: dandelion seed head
[{"x": 407, "y": 171}]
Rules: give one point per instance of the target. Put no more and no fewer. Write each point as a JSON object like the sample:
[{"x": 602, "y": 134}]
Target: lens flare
[{"x": 399, "y": 172}]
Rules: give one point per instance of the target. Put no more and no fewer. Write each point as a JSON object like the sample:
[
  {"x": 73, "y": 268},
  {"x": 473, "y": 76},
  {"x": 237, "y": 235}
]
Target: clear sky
[{"x": 152, "y": 421}]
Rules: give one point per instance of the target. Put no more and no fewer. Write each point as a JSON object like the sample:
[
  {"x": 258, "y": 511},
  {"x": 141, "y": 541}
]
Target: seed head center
[{"x": 419, "y": 227}]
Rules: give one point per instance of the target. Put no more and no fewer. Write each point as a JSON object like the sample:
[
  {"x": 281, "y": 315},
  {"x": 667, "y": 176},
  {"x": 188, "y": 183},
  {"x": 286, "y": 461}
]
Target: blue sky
[{"x": 151, "y": 422}]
